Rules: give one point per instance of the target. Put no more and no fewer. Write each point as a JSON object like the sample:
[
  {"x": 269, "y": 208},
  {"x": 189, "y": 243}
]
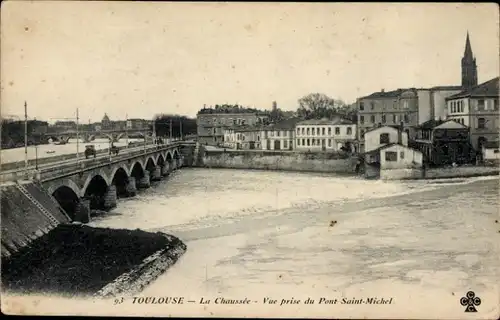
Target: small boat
[{"x": 50, "y": 151}]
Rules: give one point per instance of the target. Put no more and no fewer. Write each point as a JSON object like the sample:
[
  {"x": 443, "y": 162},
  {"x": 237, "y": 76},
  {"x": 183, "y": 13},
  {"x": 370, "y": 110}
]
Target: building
[
  {"x": 137, "y": 124},
  {"x": 477, "y": 108},
  {"x": 394, "y": 156},
  {"x": 279, "y": 136},
  {"x": 211, "y": 125},
  {"x": 61, "y": 126},
  {"x": 411, "y": 107},
  {"x": 378, "y": 137},
  {"x": 106, "y": 123},
  {"x": 444, "y": 142},
  {"x": 325, "y": 135},
  {"x": 469, "y": 67},
  {"x": 243, "y": 138},
  {"x": 491, "y": 152}
]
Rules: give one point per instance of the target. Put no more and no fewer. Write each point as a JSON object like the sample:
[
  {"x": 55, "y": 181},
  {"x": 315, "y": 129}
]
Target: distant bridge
[
  {"x": 112, "y": 135},
  {"x": 96, "y": 183}
]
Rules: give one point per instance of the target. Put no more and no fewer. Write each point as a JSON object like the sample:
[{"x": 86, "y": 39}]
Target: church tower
[{"x": 469, "y": 68}]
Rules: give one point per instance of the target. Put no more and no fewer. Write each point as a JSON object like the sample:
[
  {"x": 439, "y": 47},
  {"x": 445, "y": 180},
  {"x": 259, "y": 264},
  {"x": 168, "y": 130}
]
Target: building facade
[
  {"x": 325, "y": 135},
  {"x": 279, "y": 136},
  {"x": 242, "y": 138},
  {"x": 211, "y": 126},
  {"x": 477, "y": 108},
  {"x": 381, "y": 136},
  {"x": 469, "y": 67},
  {"x": 444, "y": 142}
]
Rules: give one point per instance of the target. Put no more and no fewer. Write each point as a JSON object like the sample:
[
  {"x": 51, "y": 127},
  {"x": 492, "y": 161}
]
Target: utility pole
[
  {"x": 26, "y": 140},
  {"x": 180, "y": 124},
  {"x": 154, "y": 131},
  {"x": 77, "y": 140},
  {"x": 126, "y": 131},
  {"x": 170, "y": 127}
]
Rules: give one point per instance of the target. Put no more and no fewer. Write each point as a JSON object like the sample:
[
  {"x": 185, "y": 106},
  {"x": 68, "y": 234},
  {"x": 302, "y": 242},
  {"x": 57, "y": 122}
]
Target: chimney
[
  {"x": 275, "y": 105},
  {"x": 400, "y": 133},
  {"x": 382, "y": 90}
]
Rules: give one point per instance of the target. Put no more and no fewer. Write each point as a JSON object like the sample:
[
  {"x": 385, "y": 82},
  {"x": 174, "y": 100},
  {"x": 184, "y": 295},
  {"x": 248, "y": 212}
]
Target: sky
[{"x": 138, "y": 59}]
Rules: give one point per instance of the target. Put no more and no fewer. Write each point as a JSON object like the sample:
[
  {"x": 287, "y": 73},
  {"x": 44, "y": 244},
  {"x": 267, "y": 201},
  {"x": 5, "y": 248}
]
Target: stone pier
[
  {"x": 173, "y": 165},
  {"x": 156, "y": 174},
  {"x": 82, "y": 212},
  {"x": 165, "y": 170},
  {"x": 110, "y": 197},
  {"x": 144, "y": 182},
  {"x": 131, "y": 187}
]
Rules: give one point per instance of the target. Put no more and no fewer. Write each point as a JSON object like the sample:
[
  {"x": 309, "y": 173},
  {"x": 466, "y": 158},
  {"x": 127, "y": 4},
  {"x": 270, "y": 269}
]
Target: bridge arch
[
  {"x": 95, "y": 189},
  {"x": 137, "y": 170},
  {"x": 160, "y": 159},
  {"x": 120, "y": 178},
  {"x": 67, "y": 195},
  {"x": 176, "y": 154},
  {"x": 169, "y": 156}
]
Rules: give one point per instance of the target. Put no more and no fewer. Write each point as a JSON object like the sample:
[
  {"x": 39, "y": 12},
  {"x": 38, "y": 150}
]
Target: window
[
  {"x": 372, "y": 119},
  {"x": 481, "y": 123},
  {"x": 298, "y": 131},
  {"x": 258, "y": 138},
  {"x": 329, "y": 131},
  {"x": 383, "y": 118},
  {"x": 307, "y": 131},
  {"x": 406, "y": 118},
  {"x": 362, "y": 133},
  {"x": 285, "y": 144},
  {"x": 349, "y": 130},
  {"x": 313, "y": 131},
  {"x": 277, "y": 133},
  {"x": 272, "y": 133},
  {"x": 361, "y": 119},
  {"x": 323, "y": 131},
  {"x": 317, "y": 131},
  {"x": 329, "y": 142},
  {"x": 214, "y": 120},
  {"x": 234, "y": 121},
  {"x": 394, "y": 119},
  {"x": 318, "y": 142},
  {"x": 372, "y": 104},
  {"x": 242, "y": 122},
  {"x": 384, "y": 138},
  {"x": 402, "y": 155},
  {"x": 337, "y": 130},
  {"x": 496, "y": 151},
  {"x": 313, "y": 142},
  {"x": 495, "y": 104},
  {"x": 391, "y": 156},
  {"x": 215, "y": 130},
  {"x": 302, "y": 131},
  {"x": 361, "y": 106},
  {"x": 308, "y": 142},
  {"x": 298, "y": 142},
  {"x": 405, "y": 104},
  {"x": 461, "y": 106},
  {"x": 480, "y": 104},
  {"x": 303, "y": 142}
]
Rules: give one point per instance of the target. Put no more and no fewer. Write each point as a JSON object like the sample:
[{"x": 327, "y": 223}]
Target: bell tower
[{"x": 469, "y": 67}]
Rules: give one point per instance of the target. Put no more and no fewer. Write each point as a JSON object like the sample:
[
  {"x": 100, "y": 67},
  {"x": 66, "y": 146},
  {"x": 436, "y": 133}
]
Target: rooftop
[
  {"x": 287, "y": 124},
  {"x": 388, "y": 94},
  {"x": 485, "y": 89},
  {"x": 324, "y": 121}
]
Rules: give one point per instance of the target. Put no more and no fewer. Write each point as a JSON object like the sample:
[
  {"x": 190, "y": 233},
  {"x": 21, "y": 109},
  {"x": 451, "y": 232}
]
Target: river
[
  {"x": 262, "y": 234},
  {"x": 40, "y": 151}
]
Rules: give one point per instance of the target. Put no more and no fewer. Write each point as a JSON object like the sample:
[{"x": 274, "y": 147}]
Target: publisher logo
[{"x": 470, "y": 301}]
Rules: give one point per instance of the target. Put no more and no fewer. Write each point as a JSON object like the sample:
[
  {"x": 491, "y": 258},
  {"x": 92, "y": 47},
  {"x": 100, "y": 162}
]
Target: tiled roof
[
  {"x": 287, "y": 124},
  {"x": 381, "y": 148},
  {"x": 336, "y": 121},
  {"x": 388, "y": 94},
  {"x": 447, "y": 88},
  {"x": 376, "y": 128},
  {"x": 485, "y": 89},
  {"x": 491, "y": 144},
  {"x": 431, "y": 124}
]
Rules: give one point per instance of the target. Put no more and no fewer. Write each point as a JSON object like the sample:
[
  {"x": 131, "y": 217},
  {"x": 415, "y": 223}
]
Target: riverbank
[
  {"x": 81, "y": 260},
  {"x": 280, "y": 161}
]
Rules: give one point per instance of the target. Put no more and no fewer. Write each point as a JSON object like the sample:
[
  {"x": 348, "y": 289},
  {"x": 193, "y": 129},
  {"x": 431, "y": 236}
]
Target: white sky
[{"x": 146, "y": 58}]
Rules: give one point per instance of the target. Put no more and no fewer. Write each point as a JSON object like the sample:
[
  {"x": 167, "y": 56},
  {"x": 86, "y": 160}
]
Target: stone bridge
[
  {"x": 112, "y": 135},
  {"x": 96, "y": 184}
]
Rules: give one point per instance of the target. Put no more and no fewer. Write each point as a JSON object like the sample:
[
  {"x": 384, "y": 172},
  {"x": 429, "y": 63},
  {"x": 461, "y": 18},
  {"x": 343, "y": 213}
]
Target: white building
[
  {"x": 247, "y": 138},
  {"x": 491, "y": 151},
  {"x": 325, "y": 135},
  {"x": 279, "y": 136},
  {"x": 381, "y": 136}
]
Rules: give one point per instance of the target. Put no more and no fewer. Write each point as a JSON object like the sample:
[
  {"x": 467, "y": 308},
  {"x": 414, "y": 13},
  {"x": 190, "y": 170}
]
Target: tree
[
  {"x": 318, "y": 105},
  {"x": 163, "y": 121}
]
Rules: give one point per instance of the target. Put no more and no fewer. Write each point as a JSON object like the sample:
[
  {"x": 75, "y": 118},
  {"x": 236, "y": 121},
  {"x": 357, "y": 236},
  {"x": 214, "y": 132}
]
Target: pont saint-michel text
[{"x": 265, "y": 301}]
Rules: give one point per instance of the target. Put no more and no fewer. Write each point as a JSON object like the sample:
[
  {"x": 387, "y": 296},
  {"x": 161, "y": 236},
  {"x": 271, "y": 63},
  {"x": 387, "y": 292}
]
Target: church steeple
[{"x": 469, "y": 68}]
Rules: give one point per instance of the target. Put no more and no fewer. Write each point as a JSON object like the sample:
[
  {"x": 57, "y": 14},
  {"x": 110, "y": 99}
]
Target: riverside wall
[
  {"x": 23, "y": 221},
  {"x": 278, "y": 160},
  {"x": 439, "y": 173}
]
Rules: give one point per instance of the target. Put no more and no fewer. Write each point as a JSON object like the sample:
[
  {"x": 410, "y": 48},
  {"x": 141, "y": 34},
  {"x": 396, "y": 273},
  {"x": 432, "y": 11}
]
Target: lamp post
[
  {"x": 26, "y": 140},
  {"x": 126, "y": 131},
  {"x": 77, "y": 140},
  {"x": 36, "y": 150}
]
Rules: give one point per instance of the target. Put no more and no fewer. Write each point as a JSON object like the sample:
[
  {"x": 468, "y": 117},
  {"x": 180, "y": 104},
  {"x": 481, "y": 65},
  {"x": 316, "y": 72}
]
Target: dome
[{"x": 105, "y": 118}]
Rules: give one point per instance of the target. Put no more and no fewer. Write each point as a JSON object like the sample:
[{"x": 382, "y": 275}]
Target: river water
[
  {"x": 262, "y": 234},
  {"x": 45, "y": 150}
]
